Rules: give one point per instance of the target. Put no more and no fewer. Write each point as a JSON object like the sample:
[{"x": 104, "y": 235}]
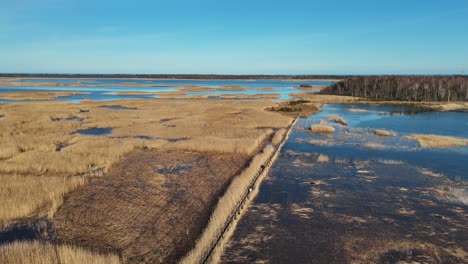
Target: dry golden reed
[
  {"x": 40, "y": 140},
  {"x": 229, "y": 202},
  {"x": 382, "y": 132},
  {"x": 44, "y": 253},
  {"x": 436, "y": 141},
  {"x": 24, "y": 196},
  {"x": 322, "y": 129}
]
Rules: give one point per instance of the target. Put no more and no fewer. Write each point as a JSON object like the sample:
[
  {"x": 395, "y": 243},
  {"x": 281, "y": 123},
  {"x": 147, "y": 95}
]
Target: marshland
[
  {"x": 155, "y": 174},
  {"x": 188, "y": 132}
]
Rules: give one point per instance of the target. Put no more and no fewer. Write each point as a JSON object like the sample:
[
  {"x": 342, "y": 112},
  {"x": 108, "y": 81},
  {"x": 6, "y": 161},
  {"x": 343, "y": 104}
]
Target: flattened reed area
[
  {"x": 40, "y": 140},
  {"x": 150, "y": 207}
]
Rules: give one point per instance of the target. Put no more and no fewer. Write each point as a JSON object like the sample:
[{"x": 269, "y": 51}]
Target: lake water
[
  {"x": 106, "y": 93},
  {"x": 339, "y": 199}
]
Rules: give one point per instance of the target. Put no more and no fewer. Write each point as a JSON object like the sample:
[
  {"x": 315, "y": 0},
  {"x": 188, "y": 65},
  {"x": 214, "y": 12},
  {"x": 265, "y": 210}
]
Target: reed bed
[
  {"x": 337, "y": 119},
  {"x": 24, "y": 196},
  {"x": 382, "y": 133},
  {"x": 323, "y": 158},
  {"x": 436, "y": 141},
  {"x": 322, "y": 129},
  {"x": 39, "y": 139},
  {"x": 226, "y": 206},
  {"x": 44, "y": 253},
  {"x": 228, "y": 203}
]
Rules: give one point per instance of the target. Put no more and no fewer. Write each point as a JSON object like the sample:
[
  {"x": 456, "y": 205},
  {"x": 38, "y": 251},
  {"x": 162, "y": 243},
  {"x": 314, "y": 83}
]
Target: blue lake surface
[{"x": 107, "y": 93}]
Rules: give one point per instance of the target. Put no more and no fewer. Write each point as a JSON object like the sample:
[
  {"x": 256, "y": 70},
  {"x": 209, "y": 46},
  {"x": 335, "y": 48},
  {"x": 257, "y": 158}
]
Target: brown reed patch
[
  {"x": 382, "y": 133},
  {"x": 436, "y": 141},
  {"x": 151, "y": 206},
  {"x": 39, "y": 253},
  {"x": 337, "y": 119},
  {"x": 24, "y": 196},
  {"x": 40, "y": 138},
  {"x": 322, "y": 129}
]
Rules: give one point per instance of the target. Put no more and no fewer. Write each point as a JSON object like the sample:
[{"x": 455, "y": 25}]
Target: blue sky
[{"x": 234, "y": 37}]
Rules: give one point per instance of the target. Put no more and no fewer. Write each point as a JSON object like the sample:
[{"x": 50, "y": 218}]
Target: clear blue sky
[{"x": 234, "y": 37}]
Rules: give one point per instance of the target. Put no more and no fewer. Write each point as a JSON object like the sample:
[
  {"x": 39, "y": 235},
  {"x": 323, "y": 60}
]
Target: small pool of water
[
  {"x": 95, "y": 131},
  {"x": 118, "y": 107}
]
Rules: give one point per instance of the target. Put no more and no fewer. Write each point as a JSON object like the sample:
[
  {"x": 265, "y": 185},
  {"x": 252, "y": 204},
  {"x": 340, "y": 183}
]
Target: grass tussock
[
  {"x": 322, "y": 129},
  {"x": 436, "y": 141},
  {"x": 337, "y": 119},
  {"x": 382, "y": 133},
  {"x": 39, "y": 253},
  {"x": 28, "y": 195},
  {"x": 323, "y": 158}
]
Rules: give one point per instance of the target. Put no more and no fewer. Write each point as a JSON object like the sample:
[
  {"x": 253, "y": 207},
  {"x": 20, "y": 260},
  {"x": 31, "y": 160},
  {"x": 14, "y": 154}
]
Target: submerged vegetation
[{"x": 403, "y": 88}]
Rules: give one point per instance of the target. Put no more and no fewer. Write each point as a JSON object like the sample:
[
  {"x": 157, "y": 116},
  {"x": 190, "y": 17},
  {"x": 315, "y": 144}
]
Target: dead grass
[
  {"x": 228, "y": 203},
  {"x": 323, "y": 158},
  {"x": 374, "y": 145},
  {"x": 24, "y": 196},
  {"x": 37, "y": 139},
  {"x": 150, "y": 207},
  {"x": 382, "y": 133},
  {"x": 337, "y": 119},
  {"x": 36, "y": 96},
  {"x": 39, "y": 253},
  {"x": 322, "y": 129},
  {"x": 278, "y": 137},
  {"x": 436, "y": 141}
]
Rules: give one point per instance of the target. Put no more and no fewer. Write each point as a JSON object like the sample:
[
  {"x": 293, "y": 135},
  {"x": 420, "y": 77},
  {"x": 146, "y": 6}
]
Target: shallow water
[
  {"x": 107, "y": 93},
  {"x": 337, "y": 199},
  {"x": 95, "y": 131}
]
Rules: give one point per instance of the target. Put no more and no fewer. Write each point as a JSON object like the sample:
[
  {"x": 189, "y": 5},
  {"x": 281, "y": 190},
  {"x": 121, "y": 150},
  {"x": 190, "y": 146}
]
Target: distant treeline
[
  {"x": 403, "y": 88},
  {"x": 173, "y": 76}
]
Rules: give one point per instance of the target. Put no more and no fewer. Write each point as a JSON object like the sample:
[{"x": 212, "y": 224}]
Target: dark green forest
[{"x": 403, "y": 88}]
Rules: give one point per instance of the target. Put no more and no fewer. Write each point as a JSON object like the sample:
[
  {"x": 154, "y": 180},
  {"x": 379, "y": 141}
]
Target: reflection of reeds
[{"x": 35, "y": 252}]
